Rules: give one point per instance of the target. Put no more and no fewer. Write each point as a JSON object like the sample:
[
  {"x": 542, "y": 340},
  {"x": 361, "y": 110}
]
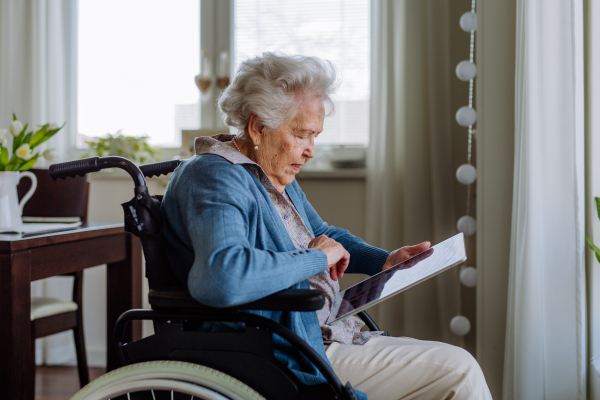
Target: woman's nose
[{"x": 309, "y": 151}]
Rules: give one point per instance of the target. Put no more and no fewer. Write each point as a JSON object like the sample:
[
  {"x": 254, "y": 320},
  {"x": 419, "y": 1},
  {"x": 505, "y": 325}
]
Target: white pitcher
[{"x": 10, "y": 208}]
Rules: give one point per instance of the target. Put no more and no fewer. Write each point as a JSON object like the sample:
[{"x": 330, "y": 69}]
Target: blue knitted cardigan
[{"x": 227, "y": 243}]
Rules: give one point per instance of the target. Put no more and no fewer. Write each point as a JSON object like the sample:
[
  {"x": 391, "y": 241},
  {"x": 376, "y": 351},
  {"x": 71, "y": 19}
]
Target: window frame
[{"x": 216, "y": 32}]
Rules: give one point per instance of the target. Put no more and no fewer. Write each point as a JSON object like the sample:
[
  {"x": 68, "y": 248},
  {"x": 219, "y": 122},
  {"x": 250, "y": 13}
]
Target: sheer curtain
[
  {"x": 38, "y": 65},
  {"x": 545, "y": 355},
  {"x": 37, "y": 82},
  {"x": 409, "y": 167}
]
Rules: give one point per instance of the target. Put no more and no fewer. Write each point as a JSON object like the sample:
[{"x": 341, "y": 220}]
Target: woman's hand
[
  {"x": 337, "y": 256},
  {"x": 404, "y": 253}
]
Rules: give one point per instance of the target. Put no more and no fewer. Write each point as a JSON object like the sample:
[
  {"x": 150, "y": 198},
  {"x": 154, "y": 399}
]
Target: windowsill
[
  {"x": 326, "y": 173},
  {"x": 333, "y": 173}
]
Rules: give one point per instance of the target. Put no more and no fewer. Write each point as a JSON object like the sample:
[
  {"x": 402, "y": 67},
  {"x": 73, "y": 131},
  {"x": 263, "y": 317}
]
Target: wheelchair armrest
[{"x": 285, "y": 300}]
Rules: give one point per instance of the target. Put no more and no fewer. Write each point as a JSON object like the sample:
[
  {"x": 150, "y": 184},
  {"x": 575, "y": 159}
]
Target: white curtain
[
  {"x": 410, "y": 175},
  {"x": 545, "y": 356},
  {"x": 38, "y": 60},
  {"x": 37, "y": 82}
]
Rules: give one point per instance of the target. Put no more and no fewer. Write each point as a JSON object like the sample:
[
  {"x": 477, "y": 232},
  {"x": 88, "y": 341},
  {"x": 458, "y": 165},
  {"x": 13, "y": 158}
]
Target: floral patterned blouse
[{"x": 346, "y": 331}]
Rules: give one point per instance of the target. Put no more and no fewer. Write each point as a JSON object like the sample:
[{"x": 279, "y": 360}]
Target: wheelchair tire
[{"x": 180, "y": 377}]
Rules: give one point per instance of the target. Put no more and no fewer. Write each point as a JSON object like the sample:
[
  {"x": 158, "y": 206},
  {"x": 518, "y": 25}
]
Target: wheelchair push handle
[
  {"x": 159, "y": 168},
  {"x": 94, "y": 164},
  {"x": 74, "y": 168}
]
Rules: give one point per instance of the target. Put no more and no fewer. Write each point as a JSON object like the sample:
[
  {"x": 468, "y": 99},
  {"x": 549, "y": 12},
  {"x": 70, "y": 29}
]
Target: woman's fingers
[
  {"x": 419, "y": 248},
  {"x": 333, "y": 273},
  {"x": 343, "y": 264},
  {"x": 337, "y": 256},
  {"x": 319, "y": 242},
  {"x": 404, "y": 253}
]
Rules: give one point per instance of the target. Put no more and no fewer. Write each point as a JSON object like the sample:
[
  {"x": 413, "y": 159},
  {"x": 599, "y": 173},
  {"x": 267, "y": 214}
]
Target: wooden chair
[{"x": 66, "y": 198}]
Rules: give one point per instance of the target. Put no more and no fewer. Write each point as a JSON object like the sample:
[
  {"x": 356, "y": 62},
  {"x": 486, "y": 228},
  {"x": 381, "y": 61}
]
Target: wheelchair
[{"x": 180, "y": 360}]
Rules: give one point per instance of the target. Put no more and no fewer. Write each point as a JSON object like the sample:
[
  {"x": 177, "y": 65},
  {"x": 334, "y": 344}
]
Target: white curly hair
[{"x": 272, "y": 86}]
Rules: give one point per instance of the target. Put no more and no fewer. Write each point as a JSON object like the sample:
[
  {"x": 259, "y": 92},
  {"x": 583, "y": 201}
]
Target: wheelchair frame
[{"x": 248, "y": 354}]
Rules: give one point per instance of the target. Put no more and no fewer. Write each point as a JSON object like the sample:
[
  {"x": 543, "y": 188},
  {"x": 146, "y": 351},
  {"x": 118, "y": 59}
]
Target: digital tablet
[{"x": 402, "y": 276}]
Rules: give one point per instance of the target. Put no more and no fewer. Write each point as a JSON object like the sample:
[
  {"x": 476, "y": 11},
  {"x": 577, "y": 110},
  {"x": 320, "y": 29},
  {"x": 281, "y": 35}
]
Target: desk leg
[
  {"x": 123, "y": 292},
  {"x": 17, "y": 361}
]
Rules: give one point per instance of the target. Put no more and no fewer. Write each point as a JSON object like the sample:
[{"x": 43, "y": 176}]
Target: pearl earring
[{"x": 255, "y": 147}]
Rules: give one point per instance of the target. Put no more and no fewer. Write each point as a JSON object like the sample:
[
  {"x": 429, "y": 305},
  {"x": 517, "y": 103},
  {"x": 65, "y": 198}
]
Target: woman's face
[{"x": 284, "y": 150}]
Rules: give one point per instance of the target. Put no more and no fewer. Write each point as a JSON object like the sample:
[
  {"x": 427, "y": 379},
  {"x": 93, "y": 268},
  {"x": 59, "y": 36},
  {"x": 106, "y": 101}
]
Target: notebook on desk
[
  {"x": 445, "y": 255},
  {"x": 37, "y": 227}
]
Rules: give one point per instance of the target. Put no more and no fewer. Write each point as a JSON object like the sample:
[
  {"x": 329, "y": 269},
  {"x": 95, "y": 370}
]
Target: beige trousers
[{"x": 389, "y": 368}]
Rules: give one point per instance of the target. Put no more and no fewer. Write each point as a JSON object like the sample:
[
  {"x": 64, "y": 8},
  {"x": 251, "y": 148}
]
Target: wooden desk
[{"x": 26, "y": 258}]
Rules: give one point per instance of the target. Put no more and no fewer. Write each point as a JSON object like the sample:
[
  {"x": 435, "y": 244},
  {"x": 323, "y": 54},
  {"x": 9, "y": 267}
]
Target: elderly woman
[{"x": 240, "y": 228}]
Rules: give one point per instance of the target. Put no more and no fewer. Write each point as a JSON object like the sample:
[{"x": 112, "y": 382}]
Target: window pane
[
  {"x": 336, "y": 30},
  {"x": 137, "y": 62}
]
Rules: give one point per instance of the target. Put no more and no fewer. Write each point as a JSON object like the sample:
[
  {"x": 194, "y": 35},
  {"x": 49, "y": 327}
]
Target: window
[
  {"x": 336, "y": 30},
  {"x": 136, "y": 65}
]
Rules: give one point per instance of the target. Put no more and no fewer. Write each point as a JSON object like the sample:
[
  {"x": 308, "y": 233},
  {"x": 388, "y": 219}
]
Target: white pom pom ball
[
  {"x": 466, "y": 174},
  {"x": 467, "y": 225},
  {"x": 468, "y": 21},
  {"x": 466, "y": 70},
  {"x": 460, "y": 325},
  {"x": 466, "y": 116},
  {"x": 468, "y": 276}
]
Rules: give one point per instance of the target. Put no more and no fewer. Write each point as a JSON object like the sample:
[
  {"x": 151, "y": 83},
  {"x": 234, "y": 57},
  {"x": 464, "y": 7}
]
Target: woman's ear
[{"x": 255, "y": 129}]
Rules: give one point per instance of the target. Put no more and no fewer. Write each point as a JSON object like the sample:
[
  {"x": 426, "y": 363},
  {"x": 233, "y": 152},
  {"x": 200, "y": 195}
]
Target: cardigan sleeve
[
  {"x": 364, "y": 258},
  {"x": 218, "y": 210}
]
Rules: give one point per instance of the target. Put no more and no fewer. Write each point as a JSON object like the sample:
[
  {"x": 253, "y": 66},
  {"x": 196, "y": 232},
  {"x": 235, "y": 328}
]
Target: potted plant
[
  {"x": 134, "y": 148},
  {"x": 15, "y": 163}
]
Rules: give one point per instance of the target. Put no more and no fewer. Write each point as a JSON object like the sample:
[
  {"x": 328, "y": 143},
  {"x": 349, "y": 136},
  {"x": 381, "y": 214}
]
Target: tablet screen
[{"x": 398, "y": 278}]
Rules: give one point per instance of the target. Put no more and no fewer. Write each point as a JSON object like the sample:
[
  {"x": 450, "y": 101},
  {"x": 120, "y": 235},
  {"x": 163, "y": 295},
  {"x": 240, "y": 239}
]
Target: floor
[{"x": 59, "y": 383}]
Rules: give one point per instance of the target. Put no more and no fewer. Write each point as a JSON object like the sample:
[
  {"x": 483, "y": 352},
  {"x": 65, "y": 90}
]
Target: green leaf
[
  {"x": 598, "y": 205},
  {"x": 27, "y": 138},
  {"x": 37, "y": 137},
  {"x": 12, "y": 163},
  {"x": 49, "y": 134},
  {"x": 593, "y": 247},
  {"x": 3, "y": 156},
  {"x": 19, "y": 139},
  {"x": 29, "y": 163},
  {"x": 14, "y": 117}
]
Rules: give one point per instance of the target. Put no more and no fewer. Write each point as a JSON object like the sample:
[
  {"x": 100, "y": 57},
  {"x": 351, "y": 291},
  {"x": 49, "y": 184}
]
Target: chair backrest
[{"x": 63, "y": 198}]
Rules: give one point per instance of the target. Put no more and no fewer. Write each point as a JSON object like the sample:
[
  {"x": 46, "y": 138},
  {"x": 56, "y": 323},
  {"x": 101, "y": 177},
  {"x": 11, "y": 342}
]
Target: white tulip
[
  {"x": 24, "y": 152},
  {"x": 49, "y": 154},
  {"x": 16, "y": 127},
  {"x": 3, "y": 134},
  {"x": 52, "y": 127}
]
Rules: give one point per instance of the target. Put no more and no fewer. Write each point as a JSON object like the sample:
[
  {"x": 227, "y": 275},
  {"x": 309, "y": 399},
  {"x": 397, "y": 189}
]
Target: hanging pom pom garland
[
  {"x": 468, "y": 276},
  {"x": 467, "y": 225},
  {"x": 466, "y": 116},
  {"x": 460, "y": 325},
  {"x": 466, "y": 70},
  {"x": 466, "y": 174},
  {"x": 468, "y": 21}
]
